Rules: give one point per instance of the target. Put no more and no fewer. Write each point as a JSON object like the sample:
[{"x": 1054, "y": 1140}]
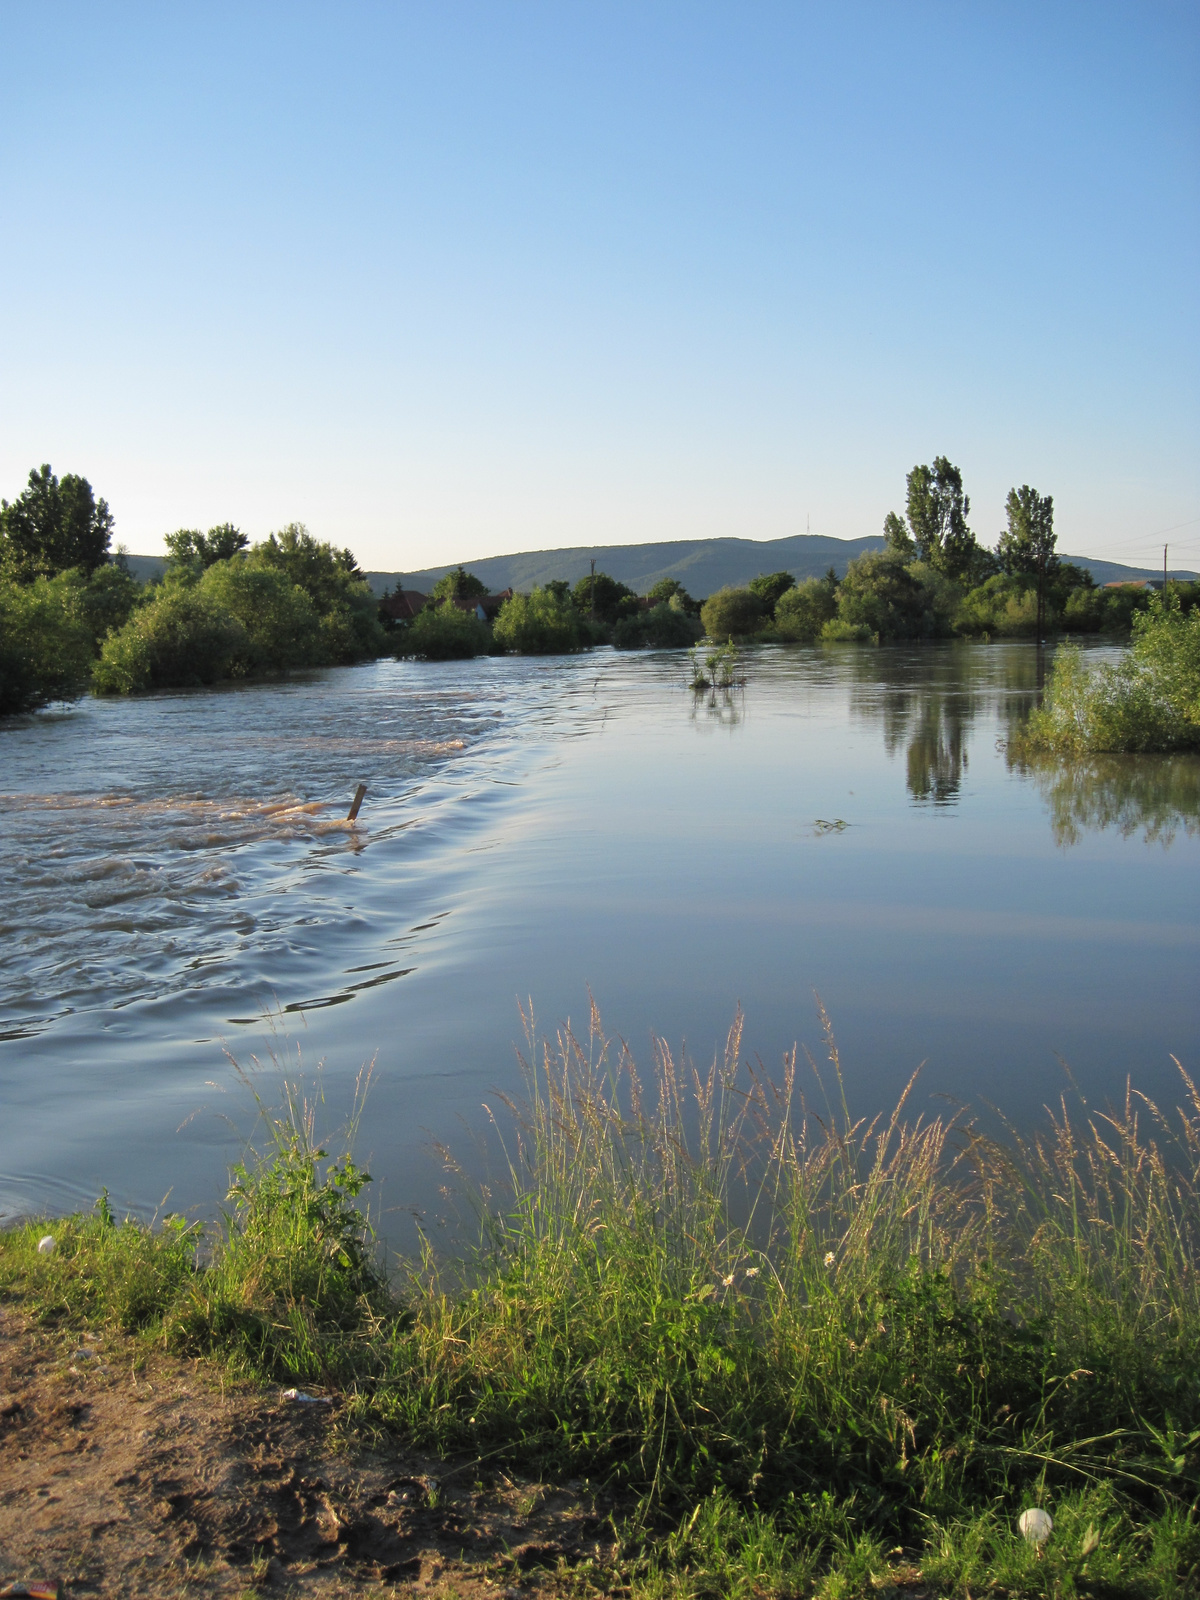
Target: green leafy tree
[
  {"x": 600, "y": 596},
  {"x": 899, "y": 540},
  {"x": 45, "y": 642},
  {"x": 53, "y": 526},
  {"x": 282, "y": 627},
  {"x": 539, "y": 623},
  {"x": 881, "y": 594},
  {"x": 458, "y": 585},
  {"x": 770, "y": 587},
  {"x": 732, "y": 614},
  {"x": 444, "y": 633},
  {"x": 803, "y": 610},
  {"x": 349, "y": 612},
  {"x": 937, "y": 531},
  {"x": 1026, "y": 547},
  {"x": 107, "y": 599},
  {"x": 189, "y": 547}
]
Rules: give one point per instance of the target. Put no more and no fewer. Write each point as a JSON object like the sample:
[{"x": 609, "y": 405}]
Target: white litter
[
  {"x": 1035, "y": 1525},
  {"x": 302, "y": 1399},
  {"x": 46, "y": 1244}
]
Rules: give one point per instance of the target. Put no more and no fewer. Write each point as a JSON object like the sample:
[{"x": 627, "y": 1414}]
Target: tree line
[{"x": 73, "y": 617}]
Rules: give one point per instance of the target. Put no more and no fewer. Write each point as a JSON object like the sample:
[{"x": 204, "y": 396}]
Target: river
[{"x": 180, "y": 891}]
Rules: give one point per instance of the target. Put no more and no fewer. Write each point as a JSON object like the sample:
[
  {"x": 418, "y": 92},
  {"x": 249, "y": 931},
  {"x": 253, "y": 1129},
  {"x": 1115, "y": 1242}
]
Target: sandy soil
[{"x": 130, "y": 1474}]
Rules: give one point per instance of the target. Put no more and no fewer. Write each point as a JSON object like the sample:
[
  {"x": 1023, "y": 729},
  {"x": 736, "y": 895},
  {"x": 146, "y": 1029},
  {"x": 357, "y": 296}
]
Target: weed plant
[{"x": 806, "y": 1351}]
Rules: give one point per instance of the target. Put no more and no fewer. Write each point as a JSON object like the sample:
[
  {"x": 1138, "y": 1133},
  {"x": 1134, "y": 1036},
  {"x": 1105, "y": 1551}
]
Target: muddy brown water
[{"x": 179, "y": 890}]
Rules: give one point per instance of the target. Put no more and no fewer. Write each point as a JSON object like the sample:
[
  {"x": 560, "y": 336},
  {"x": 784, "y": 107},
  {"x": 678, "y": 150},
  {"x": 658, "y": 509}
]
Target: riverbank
[{"x": 794, "y": 1355}]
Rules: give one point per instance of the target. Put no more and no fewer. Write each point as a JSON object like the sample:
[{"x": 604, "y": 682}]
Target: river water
[{"x": 179, "y": 891}]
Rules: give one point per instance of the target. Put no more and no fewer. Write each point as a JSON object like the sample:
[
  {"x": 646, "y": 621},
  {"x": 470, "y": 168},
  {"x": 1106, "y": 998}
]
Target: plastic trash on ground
[
  {"x": 1035, "y": 1525},
  {"x": 45, "y": 1245},
  {"x": 299, "y": 1397},
  {"x": 30, "y": 1588}
]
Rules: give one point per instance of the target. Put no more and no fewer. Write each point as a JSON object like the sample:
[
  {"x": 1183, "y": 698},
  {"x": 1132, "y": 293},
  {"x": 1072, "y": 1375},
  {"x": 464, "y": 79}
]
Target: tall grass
[{"x": 791, "y": 1339}]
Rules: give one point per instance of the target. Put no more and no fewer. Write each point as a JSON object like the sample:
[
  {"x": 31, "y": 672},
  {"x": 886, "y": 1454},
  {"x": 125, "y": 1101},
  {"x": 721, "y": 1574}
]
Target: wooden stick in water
[{"x": 356, "y": 802}]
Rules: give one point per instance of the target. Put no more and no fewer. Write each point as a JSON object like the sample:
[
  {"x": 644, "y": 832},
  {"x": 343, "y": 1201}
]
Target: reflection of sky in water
[{"x": 846, "y": 821}]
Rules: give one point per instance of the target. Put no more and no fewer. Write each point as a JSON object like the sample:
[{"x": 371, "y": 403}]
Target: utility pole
[
  {"x": 1164, "y": 572},
  {"x": 592, "y": 591}
]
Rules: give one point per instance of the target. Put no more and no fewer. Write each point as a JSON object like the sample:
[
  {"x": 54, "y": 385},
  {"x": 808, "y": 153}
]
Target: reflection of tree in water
[
  {"x": 1157, "y": 794},
  {"x": 937, "y": 748}
]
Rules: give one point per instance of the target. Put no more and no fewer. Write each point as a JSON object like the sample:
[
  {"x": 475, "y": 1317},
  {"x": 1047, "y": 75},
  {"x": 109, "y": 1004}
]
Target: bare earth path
[{"x": 130, "y": 1474}]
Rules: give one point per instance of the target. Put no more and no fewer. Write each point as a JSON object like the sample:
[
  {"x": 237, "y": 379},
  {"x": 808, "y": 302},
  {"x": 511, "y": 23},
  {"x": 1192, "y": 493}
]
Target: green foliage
[
  {"x": 53, "y": 526},
  {"x": 180, "y": 638},
  {"x": 45, "y": 642},
  {"x": 885, "y": 595},
  {"x": 600, "y": 596},
  {"x": 670, "y": 590},
  {"x": 458, "y": 585},
  {"x": 444, "y": 633},
  {"x": 732, "y": 614},
  {"x": 804, "y": 609},
  {"x": 716, "y": 667},
  {"x": 899, "y": 540},
  {"x": 107, "y": 599},
  {"x": 1027, "y": 544},
  {"x": 937, "y": 520},
  {"x": 539, "y": 623},
  {"x": 1149, "y": 701},
  {"x": 666, "y": 626},
  {"x": 281, "y": 623},
  {"x": 769, "y": 587},
  {"x": 191, "y": 548},
  {"x": 348, "y": 611}
]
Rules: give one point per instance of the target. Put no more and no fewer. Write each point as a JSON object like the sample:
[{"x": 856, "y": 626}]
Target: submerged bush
[
  {"x": 883, "y": 594},
  {"x": 663, "y": 627},
  {"x": 801, "y": 612},
  {"x": 732, "y": 614},
  {"x": 1149, "y": 701},
  {"x": 181, "y": 638},
  {"x": 281, "y": 623},
  {"x": 543, "y": 622},
  {"x": 45, "y": 642},
  {"x": 444, "y": 633}
]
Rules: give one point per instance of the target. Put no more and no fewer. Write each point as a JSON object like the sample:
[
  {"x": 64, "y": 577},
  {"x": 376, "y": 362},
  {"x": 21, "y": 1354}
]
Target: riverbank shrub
[
  {"x": 1149, "y": 701},
  {"x": 46, "y": 642},
  {"x": 281, "y": 623},
  {"x": 804, "y": 609},
  {"x": 444, "y": 633},
  {"x": 884, "y": 593},
  {"x": 180, "y": 638},
  {"x": 348, "y": 612},
  {"x": 666, "y": 626},
  {"x": 732, "y": 614},
  {"x": 543, "y": 622}
]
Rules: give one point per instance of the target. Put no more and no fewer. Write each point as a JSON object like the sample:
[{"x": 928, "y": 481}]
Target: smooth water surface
[{"x": 179, "y": 889}]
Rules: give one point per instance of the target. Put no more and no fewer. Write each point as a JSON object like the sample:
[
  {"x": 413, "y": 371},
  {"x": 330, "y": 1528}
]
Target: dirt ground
[{"x": 127, "y": 1474}]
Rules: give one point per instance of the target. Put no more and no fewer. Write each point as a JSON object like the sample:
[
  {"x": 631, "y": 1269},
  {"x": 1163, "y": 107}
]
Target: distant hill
[{"x": 701, "y": 565}]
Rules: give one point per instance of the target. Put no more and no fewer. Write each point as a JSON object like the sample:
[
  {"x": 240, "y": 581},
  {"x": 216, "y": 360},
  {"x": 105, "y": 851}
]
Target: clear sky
[{"x": 450, "y": 279}]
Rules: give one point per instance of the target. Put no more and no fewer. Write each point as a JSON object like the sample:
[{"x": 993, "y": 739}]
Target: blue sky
[{"x": 446, "y": 280}]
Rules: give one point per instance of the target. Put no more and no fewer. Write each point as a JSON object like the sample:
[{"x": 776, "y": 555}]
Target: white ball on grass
[{"x": 1035, "y": 1525}]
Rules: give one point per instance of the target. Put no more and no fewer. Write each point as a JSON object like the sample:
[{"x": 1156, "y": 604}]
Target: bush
[
  {"x": 803, "y": 610},
  {"x": 838, "y": 631},
  {"x": 444, "y": 633},
  {"x": 281, "y": 623},
  {"x": 179, "y": 639},
  {"x": 107, "y": 599},
  {"x": 884, "y": 594},
  {"x": 1005, "y": 604},
  {"x": 663, "y": 627},
  {"x": 45, "y": 642},
  {"x": 540, "y": 623},
  {"x": 601, "y": 597},
  {"x": 732, "y": 614},
  {"x": 349, "y": 627},
  {"x": 1150, "y": 701},
  {"x": 769, "y": 587}
]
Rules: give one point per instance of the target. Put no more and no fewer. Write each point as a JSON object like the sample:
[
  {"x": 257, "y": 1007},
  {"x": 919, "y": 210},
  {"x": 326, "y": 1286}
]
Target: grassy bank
[{"x": 805, "y": 1352}]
